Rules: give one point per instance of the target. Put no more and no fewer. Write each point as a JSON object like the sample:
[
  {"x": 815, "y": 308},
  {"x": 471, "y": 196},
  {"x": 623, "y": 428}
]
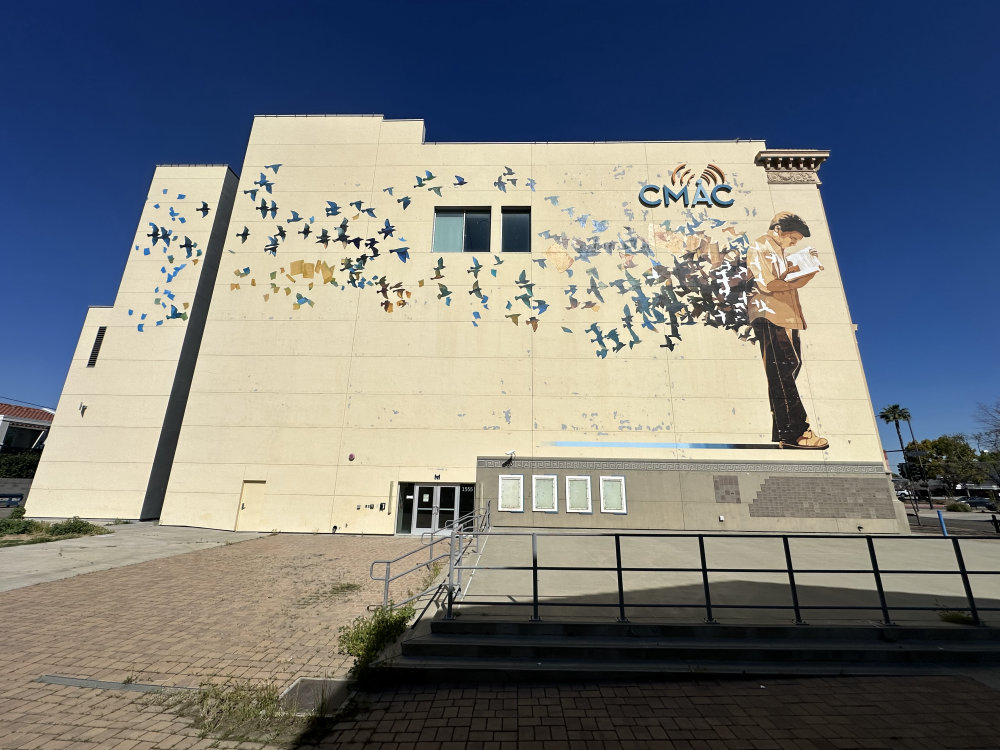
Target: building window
[
  {"x": 461, "y": 230},
  {"x": 511, "y": 493},
  {"x": 612, "y": 494},
  {"x": 578, "y": 495},
  {"x": 515, "y": 225},
  {"x": 98, "y": 340},
  {"x": 543, "y": 494}
]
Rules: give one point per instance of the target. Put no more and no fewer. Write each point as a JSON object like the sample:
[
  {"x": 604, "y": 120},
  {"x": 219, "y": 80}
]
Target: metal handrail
[
  {"x": 704, "y": 569},
  {"x": 468, "y": 518},
  {"x": 480, "y": 522}
]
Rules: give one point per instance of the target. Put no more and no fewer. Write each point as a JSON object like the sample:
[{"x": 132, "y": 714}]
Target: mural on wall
[
  {"x": 693, "y": 269},
  {"x": 776, "y": 318},
  {"x": 185, "y": 253}
]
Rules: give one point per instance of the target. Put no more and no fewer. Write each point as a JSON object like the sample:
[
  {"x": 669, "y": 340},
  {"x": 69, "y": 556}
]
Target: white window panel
[
  {"x": 511, "y": 492},
  {"x": 449, "y": 228},
  {"x": 578, "y": 495},
  {"x": 544, "y": 495},
  {"x": 613, "y": 495}
]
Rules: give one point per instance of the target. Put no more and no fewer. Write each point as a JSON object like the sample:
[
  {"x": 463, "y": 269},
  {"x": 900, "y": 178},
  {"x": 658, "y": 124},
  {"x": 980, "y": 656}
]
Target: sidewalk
[
  {"x": 819, "y": 714},
  {"x": 129, "y": 543}
]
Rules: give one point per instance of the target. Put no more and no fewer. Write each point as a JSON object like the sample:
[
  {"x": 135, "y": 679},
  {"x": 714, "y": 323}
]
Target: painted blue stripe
[{"x": 709, "y": 446}]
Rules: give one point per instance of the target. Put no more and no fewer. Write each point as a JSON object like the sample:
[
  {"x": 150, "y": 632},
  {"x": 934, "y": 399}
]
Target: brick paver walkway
[
  {"x": 259, "y": 611},
  {"x": 805, "y": 714},
  {"x": 256, "y": 610}
]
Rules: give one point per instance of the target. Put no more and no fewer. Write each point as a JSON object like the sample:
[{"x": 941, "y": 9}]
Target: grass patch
[
  {"x": 431, "y": 575},
  {"x": 368, "y": 635},
  {"x": 339, "y": 590},
  {"x": 958, "y": 508},
  {"x": 40, "y": 539},
  {"x": 956, "y": 617},
  {"x": 343, "y": 589},
  {"x": 17, "y": 530},
  {"x": 118, "y": 522},
  {"x": 237, "y": 711}
]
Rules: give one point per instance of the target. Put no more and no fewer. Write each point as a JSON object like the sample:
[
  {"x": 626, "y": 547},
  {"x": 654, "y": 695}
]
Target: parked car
[
  {"x": 983, "y": 503},
  {"x": 11, "y": 501}
]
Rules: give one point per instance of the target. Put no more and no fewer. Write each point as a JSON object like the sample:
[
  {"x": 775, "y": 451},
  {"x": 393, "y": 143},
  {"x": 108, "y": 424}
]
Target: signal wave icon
[{"x": 684, "y": 175}]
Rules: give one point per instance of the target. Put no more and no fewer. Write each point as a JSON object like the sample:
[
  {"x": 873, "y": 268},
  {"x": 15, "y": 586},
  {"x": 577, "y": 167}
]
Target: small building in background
[{"x": 22, "y": 429}]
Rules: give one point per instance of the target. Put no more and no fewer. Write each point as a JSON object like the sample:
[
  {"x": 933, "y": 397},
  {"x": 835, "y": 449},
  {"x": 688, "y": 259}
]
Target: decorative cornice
[{"x": 785, "y": 166}]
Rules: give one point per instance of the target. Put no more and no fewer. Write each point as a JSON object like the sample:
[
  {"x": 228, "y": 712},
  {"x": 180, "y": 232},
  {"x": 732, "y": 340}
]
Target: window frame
[
  {"x": 520, "y": 479},
  {"x": 464, "y": 211},
  {"x": 624, "y": 508},
  {"x": 555, "y": 493},
  {"x": 590, "y": 497}
]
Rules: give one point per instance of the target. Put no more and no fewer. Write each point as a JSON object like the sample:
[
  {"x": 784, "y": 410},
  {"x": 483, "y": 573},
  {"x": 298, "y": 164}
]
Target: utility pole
[{"x": 920, "y": 461}]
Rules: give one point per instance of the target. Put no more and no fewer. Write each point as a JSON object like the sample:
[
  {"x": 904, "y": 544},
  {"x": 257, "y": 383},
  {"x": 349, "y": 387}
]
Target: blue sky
[{"x": 903, "y": 95}]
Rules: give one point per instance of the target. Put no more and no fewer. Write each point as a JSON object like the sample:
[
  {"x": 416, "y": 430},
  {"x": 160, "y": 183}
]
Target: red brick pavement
[
  {"x": 255, "y": 611},
  {"x": 804, "y": 714},
  {"x": 258, "y": 611}
]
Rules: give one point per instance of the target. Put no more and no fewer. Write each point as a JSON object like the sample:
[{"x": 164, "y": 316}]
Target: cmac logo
[{"x": 705, "y": 191}]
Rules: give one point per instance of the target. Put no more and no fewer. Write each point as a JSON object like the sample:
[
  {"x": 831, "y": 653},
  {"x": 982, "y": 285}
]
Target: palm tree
[{"x": 895, "y": 413}]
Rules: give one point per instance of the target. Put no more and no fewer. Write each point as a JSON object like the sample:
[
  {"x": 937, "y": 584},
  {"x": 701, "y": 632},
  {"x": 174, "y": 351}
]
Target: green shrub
[
  {"x": 17, "y": 512},
  {"x": 367, "y": 636},
  {"x": 19, "y": 464},
  {"x": 75, "y": 525},
  {"x": 958, "y": 508},
  {"x": 20, "y": 526}
]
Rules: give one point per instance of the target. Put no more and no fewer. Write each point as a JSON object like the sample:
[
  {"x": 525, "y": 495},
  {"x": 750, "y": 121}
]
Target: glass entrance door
[
  {"x": 423, "y": 509},
  {"x": 447, "y": 504},
  {"x": 434, "y": 507}
]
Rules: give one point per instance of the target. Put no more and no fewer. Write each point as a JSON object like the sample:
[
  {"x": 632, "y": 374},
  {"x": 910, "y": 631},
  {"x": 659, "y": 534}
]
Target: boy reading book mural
[{"x": 776, "y": 317}]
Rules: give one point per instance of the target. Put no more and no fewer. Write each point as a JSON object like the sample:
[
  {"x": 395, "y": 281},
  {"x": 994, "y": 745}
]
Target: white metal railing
[{"x": 455, "y": 535}]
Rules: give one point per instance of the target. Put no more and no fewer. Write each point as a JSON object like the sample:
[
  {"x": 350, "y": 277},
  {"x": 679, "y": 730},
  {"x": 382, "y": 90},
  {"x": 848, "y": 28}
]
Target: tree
[
  {"x": 895, "y": 413},
  {"x": 989, "y": 417},
  {"x": 990, "y": 462},
  {"x": 951, "y": 458}
]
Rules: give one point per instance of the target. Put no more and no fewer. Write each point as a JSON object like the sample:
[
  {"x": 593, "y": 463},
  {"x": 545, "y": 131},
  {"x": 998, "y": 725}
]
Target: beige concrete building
[
  {"x": 113, "y": 436},
  {"x": 385, "y": 332}
]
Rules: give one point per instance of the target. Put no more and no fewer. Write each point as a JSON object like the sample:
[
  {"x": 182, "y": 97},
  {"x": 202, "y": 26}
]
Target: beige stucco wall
[
  {"x": 98, "y": 461},
  {"x": 286, "y": 396}
]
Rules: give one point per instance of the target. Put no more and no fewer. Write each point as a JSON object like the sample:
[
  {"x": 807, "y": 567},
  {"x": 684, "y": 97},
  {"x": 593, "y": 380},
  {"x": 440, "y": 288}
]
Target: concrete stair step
[
  {"x": 717, "y": 633},
  {"x": 604, "y": 649},
  {"x": 473, "y": 649},
  {"x": 501, "y": 669}
]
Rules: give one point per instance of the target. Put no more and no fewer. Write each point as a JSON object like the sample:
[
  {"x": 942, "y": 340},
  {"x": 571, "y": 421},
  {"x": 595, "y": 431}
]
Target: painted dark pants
[{"x": 782, "y": 361}]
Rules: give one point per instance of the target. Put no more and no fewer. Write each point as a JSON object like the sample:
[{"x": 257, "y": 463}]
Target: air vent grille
[{"x": 97, "y": 346}]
